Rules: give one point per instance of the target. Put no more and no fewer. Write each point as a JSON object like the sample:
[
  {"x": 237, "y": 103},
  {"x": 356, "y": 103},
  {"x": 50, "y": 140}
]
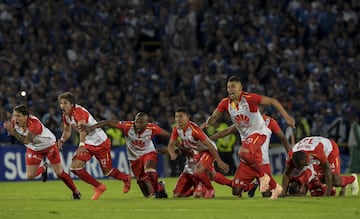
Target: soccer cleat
[
  {"x": 76, "y": 196},
  {"x": 127, "y": 184},
  {"x": 161, "y": 193},
  {"x": 276, "y": 192},
  {"x": 44, "y": 175},
  {"x": 264, "y": 182},
  {"x": 210, "y": 193},
  {"x": 251, "y": 192},
  {"x": 98, "y": 192},
  {"x": 354, "y": 185}
]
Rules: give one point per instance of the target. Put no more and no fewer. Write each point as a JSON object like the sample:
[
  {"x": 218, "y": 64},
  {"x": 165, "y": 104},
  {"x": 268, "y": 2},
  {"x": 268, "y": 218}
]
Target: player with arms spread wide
[
  {"x": 140, "y": 150},
  {"x": 243, "y": 109},
  {"x": 40, "y": 142}
]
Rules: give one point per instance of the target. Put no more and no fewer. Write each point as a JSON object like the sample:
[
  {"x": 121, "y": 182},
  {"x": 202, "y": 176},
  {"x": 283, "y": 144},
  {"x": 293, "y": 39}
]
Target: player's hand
[
  {"x": 204, "y": 125},
  {"x": 173, "y": 156},
  {"x": 291, "y": 121},
  {"x": 81, "y": 150},
  {"x": 223, "y": 166},
  {"x": 9, "y": 127}
]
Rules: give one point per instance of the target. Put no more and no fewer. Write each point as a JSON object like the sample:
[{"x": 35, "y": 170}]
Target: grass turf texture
[{"x": 51, "y": 200}]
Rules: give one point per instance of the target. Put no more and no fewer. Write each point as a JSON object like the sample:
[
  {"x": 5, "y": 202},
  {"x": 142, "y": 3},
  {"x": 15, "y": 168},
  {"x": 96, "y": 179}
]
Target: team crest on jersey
[
  {"x": 245, "y": 107},
  {"x": 242, "y": 119}
]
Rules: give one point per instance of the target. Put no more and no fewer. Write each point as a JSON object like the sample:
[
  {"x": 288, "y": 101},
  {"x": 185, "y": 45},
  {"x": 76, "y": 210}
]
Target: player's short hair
[
  {"x": 298, "y": 157},
  {"x": 182, "y": 110},
  {"x": 68, "y": 96},
  {"x": 234, "y": 79},
  {"x": 22, "y": 109}
]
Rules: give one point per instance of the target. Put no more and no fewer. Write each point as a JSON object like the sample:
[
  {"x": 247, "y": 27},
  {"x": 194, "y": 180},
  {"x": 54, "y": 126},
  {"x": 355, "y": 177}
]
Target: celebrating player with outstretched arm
[{"x": 40, "y": 142}]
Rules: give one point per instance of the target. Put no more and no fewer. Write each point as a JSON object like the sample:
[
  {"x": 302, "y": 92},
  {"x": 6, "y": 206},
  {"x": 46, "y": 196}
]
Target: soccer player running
[
  {"x": 141, "y": 150},
  {"x": 243, "y": 109},
  {"x": 94, "y": 143},
  {"x": 193, "y": 137},
  {"x": 323, "y": 153},
  {"x": 244, "y": 174},
  {"x": 40, "y": 142}
]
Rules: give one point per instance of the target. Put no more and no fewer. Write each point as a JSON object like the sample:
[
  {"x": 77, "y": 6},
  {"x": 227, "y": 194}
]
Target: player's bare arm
[
  {"x": 328, "y": 177},
  {"x": 65, "y": 135},
  {"x": 284, "y": 141},
  {"x": 25, "y": 139},
  {"x": 285, "y": 180},
  {"x": 275, "y": 103},
  {"x": 223, "y": 133},
  {"x": 211, "y": 119},
  {"x": 171, "y": 149},
  {"x": 82, "y": 134},
  {"x": 222, "y": 165}
]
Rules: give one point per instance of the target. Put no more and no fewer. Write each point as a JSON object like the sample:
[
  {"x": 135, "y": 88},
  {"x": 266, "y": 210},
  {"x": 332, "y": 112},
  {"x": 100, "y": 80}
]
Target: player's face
[
  {"x": 140, "y": 123},
  {"x": 181, "y": 119},
  {"x": 234, "y": 89},
  {"x": 65, "y": 106},
  {"x": 20, "y": 119}
]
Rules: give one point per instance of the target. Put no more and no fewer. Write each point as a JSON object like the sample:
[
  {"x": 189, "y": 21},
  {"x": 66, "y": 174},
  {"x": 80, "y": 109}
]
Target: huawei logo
[
  {"x": 138, "y": 143},
  {"x": 242, "y": 119}
]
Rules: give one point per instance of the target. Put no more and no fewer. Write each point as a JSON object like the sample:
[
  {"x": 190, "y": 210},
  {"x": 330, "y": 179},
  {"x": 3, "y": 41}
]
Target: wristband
[{"x": 81, "y": 144}]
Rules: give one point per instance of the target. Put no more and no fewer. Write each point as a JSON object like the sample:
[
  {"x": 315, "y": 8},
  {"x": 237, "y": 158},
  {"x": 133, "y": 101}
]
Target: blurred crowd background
[{"x": 119, "y": 57}]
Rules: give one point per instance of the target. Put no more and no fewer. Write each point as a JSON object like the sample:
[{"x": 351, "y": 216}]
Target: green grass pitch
[{"x": 51, "y": 200}]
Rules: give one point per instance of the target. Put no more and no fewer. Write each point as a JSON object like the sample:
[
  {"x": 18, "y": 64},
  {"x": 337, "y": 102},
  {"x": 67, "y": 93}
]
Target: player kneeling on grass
[{"x": 40, "y": 142}]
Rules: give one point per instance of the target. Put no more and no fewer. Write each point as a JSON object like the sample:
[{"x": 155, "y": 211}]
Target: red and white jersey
[
  {"x": 139, "y": 144},
  {"x": 316, "y": 148},
  {"x": 244, "y": 114},
  {"x": 192, "y": 137},
  {"x": 78, "y": 113},
  {"x": 43, "y": 139},
  {"x": 273, "y": 127}
]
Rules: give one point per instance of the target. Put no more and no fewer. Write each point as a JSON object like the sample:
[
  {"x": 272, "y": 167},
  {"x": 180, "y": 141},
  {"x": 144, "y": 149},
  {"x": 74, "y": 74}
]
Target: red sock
[
  {"x": 204, "y": 179},
  {"x": 68, "y": 181},
  {"x": 250, "y": 160},
  {"x": 40, "y": 170},
  {"x": 115, "y": 173},
  {"x": 85, "y": 176},
  {"x": 222, "y": 180},
  {"x": 153, "y": 176},
  {"x": 346, "y": 180}
]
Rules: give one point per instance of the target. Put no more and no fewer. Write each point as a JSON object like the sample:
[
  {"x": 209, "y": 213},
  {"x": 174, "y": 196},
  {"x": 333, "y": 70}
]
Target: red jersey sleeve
[
  {"x": 223, "y": 105},
  {"x": 34, "y": 127},
  {"x": 253, "y": 100},
  {"x": 319, "y": 153},
  {"x": 81, "y": 114},
  {"x": 174, "y": 134},
  {"x": 274, "y": 126},
  {"x": 125, "y": 126},
  {"x": 198, "y": 133},
  {"x": 156, "y": 130}
]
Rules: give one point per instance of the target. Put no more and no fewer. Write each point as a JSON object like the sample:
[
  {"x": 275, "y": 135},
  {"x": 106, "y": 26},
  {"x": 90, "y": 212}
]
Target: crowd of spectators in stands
[{"x": 122, "y": 57}]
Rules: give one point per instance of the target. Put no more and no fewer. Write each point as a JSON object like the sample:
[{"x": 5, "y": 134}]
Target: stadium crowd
[{"x": 122, "y": 57}]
